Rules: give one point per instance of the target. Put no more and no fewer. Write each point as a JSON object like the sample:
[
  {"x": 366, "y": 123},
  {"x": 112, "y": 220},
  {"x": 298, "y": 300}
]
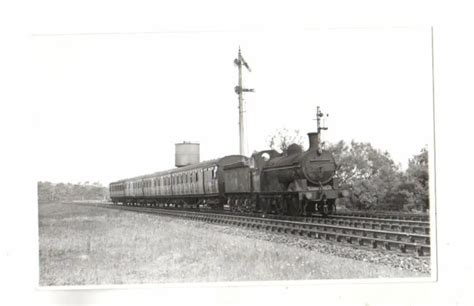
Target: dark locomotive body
[{"x": 294, "y": 183}]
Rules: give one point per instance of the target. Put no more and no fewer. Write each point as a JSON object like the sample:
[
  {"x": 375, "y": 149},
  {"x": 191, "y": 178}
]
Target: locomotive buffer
[{"x": 239, "y": 90}]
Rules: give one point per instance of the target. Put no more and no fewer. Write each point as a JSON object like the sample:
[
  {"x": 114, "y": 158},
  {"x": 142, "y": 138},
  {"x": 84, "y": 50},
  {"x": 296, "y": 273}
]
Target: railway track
[
  {"x": 386, "y": 215},
  {"x": 406, "y": 226},
  {"x": 360, "y": 232}
]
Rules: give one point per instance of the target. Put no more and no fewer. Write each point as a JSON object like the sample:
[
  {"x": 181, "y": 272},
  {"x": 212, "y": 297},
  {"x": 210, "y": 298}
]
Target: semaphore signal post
[{"x": 239, "y": 90}]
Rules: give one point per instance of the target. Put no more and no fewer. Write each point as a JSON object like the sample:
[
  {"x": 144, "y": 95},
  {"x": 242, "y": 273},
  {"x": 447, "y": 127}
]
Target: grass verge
[{"x": 82, "y": 245}]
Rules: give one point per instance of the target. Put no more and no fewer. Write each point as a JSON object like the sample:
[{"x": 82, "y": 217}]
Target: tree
[
  {"x": 61, "y": 192},
  {"x": 281, "y": 139},
  {"x": 417, "y": 178},
  {"x": 370, "y": 172},
  {"x": 45, "y": 192}
]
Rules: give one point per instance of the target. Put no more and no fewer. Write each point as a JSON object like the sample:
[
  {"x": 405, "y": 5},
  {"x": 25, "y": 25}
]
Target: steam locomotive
[{"x": 297, "y": 183}]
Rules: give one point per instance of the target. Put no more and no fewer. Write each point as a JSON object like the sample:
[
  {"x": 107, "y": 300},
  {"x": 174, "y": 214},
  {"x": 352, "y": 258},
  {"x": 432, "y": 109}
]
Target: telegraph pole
[{"x": 239, "y": 90}]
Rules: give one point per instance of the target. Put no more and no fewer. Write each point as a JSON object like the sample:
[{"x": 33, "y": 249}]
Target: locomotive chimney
[{"x": 313, "y": 141}]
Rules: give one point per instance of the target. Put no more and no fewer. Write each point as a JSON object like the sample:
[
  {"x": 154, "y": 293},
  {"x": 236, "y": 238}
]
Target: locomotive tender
[{"x": 292, "y": 183}]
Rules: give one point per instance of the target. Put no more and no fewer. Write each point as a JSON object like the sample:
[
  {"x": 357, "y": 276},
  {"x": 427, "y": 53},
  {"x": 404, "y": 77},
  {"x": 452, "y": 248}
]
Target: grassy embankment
[{"x": 82, "y": 245}]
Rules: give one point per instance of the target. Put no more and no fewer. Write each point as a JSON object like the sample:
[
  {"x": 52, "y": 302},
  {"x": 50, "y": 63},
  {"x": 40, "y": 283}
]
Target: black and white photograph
[
  {"x": 235, "y": 156},
  {"x": 244, "y": 153}
]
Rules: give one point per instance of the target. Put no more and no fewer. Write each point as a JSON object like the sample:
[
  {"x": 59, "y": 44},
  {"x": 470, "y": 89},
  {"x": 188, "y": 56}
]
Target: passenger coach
[{"x": 201, "y": 183}]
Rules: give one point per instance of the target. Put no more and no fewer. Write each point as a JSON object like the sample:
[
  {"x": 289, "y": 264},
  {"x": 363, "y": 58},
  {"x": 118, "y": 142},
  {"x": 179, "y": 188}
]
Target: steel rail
[
  {"x": 385, "y": 215},
  {"x": 373, "y": 238}
]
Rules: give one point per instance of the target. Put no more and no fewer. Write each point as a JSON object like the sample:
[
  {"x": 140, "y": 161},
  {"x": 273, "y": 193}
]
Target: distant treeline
[{"x": 65, "y": 192}]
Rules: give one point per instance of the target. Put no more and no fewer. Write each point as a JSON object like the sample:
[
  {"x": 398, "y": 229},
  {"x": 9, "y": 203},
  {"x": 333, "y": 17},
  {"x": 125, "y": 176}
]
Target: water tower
[{"x": 186, "y": 153}]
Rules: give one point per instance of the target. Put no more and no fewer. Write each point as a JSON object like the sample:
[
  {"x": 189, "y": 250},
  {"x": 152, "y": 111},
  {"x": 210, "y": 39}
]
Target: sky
[{"x": 112, "y": 106}]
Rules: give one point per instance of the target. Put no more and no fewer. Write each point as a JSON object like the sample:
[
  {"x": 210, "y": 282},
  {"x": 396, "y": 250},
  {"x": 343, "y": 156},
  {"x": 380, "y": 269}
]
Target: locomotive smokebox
[
  {"x": 186, "y": 153},
  {"x": 313, "y": 141}
]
